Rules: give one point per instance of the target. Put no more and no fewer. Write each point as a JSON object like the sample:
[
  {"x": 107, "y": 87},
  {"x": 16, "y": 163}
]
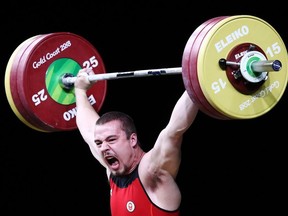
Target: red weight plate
[
  {"x": 241, "y": 84},
  {"x": 189, "y": 68},
  {"x": 12, "y": 89},
  {"x": 33, "y": 77},
  {"x": 185, "y": 67}
]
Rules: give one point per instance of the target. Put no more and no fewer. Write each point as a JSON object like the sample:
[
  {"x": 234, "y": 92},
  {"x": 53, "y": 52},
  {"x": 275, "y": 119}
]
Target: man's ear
[{"x": 133, "y": 139}]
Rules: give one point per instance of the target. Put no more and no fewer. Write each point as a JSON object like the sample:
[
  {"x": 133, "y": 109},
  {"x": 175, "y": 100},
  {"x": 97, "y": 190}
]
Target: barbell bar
[
  {"x": 257, "y": 66},
  {"x": 226, "y": 67},
  {"x": 68, "y": 79}
]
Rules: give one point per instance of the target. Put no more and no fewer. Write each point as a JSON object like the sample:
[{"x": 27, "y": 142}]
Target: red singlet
[{"x": 128, "y": 197}]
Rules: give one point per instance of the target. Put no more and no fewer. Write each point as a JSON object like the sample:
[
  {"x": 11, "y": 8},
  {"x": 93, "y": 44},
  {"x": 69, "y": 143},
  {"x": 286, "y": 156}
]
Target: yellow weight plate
[{"x": 219, "y": 41}]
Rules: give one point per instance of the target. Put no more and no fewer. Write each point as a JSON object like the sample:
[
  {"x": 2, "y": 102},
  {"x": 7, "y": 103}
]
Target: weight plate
[
  {"x": 189, "y": 68},
  {"x": 219, "y": 41},
  {"x": 11, "y": 86},
  {"x": 41, "y": 67}
]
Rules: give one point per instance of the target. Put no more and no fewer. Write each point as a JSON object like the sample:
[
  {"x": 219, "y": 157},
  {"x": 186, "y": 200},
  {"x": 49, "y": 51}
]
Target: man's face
[{"x": 115, "y": 148}]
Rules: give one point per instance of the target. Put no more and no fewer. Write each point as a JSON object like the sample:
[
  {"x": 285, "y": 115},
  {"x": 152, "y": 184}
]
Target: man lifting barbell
[
  {"x": 226, "y": 67},
  {"x": 142, "y": 183}
]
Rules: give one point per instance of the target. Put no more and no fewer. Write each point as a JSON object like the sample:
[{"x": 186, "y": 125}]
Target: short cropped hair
[{"x": 127, "y": 123}]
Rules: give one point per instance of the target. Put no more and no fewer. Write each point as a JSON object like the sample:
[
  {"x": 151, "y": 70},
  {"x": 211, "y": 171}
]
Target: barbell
[{"x": 233, "y": 67}]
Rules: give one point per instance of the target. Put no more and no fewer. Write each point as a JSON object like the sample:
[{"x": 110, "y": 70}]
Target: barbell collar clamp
[{"x": 223, "y": 63}]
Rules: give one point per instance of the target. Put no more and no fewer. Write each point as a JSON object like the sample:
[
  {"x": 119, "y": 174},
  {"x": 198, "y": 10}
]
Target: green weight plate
[{"x": 54, "y": 74}]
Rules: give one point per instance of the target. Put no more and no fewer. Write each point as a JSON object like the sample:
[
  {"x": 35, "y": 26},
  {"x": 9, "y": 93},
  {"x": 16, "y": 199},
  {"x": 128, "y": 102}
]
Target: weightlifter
[{"x": 141, "y": 183}]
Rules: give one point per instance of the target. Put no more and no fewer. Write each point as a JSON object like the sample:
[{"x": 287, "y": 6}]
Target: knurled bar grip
[{"x": 128, "y": 74}]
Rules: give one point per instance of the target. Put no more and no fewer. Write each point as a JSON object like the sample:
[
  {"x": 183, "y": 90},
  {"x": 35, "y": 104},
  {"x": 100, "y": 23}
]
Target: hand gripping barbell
[{"x": 226, "y": 69}]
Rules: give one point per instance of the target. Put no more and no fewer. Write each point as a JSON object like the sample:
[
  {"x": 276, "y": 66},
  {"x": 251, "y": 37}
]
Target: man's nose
[{"x": 104, "y": 146}]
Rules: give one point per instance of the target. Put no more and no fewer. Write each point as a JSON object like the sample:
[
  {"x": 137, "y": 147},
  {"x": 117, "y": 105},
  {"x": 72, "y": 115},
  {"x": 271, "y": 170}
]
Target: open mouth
[{"x": 112, "y": 161}]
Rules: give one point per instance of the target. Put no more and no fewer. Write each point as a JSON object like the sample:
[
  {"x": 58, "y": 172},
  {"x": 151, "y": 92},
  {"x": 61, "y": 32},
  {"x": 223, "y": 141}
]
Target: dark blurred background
[{"x": 229, "y": 167}]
